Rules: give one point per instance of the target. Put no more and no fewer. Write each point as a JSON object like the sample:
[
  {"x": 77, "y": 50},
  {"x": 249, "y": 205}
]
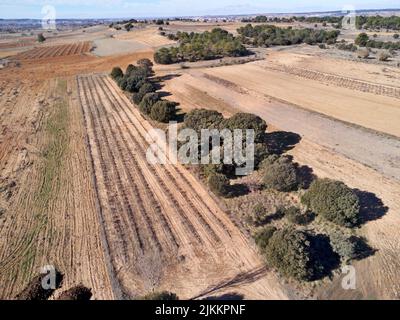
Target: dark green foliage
[
  {"x": 201, "y": 46},
  {"x": 259, "y": 215},
  {"x": 362, "y": 39},
  {"x": 280, "y": 174},
  {"x": 347, "y": 47},
  {"x": 116, "y": 73},
  {"x": 148, "y": 101},
  {"x": 295, "y": 216},
  {"x": 269, "y": 35},
  {"x": 219, "y": 184},
  {"x": 289, "y": 251},
  {"x": 160, "y": 296},
  {"x": 244, "y": 121},
  {"x": 163, "y": 111},
  {"x": 146, "y": 88},
  {"x": 263, "y": 236},
  {"x": 78, "y": 293},
  {"x": 334, "y": 201},
  {"x": 41, "y": 38},
  {"x": 199, "y": 119},
  {"x": 396, "y": 36},
  {"x": 122, "y": 82},
  {"x": 378, "y": 22}
]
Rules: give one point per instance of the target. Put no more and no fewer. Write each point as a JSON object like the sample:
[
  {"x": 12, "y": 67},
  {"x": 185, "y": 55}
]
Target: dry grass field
[{"x": 77, "y": 191}]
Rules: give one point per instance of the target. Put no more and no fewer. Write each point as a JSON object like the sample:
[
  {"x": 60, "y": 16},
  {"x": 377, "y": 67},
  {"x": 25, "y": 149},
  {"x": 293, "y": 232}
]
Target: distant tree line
[
  {"x": 201, "y": 46},
  {"x": 137, "y": 80},
  {"x": 378, "y": 22},
  {"x": 264, "y": 19},
  {"x": 269, "y": 35}
]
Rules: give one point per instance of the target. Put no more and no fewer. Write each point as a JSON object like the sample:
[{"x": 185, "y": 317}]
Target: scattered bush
[
  {"x": 280, "y": 174},
  {"x": 163, "y": 111},
  {"x": 116, "y": 73},
  {"x": 396, "y": 36},
  {"x": 334, "y": 201},
  {"x": 289, "y": 251},
  {"x": 347, "y": 47},
  {"x": 219, "y": 184},
  {"x": 384, "y": 56},
  {"x": 78, "y": 293},
  {"x": 148, "y": 101},
  {"x": 259, "y": 215},
  {"x": 41, "y": 38},
  {"x": 362, "y": 39},
  {"x": 295, "y": 216},
  {"x": 160, "y": 296},
  {"x": 263, "y": 236},
  {"x": 35, "y": 291},
  {"x": 146, "y": 88}
]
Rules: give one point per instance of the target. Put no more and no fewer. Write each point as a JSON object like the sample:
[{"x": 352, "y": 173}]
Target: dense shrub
[
  {"x": 161, "y": 296},
  {"x": 384, "y": 56},
  {"x": 201, "y": 46},
  {"x": 163, "y": 111},
  {"x": 146, "y": 88},
  {"x": 244, "y": 121},
  {"x": 289, "y": 251},
  {"x": 78, "y": 293},
  {"x": 378, "y": 22},
  {"x": 263, "y": 236},
  {"x": 259, "y": 215},
  {"x": 116, "y": 73},
  {"x": 219, "y": 184},
  {"x": 280, "y": 174},
  {"x": 270, "y": 35},
  {"x": 334, "y": 201},
  {"x": 199, "y": 119},
  {"x": 362, "y": 39},
  {"x": 295, "y": 216},
  {"x": 347, "y": 47},
  {"x": 148, "y": 101},
  {"x": 396, "y": 36},
  {"x": 41, "y": 38}
]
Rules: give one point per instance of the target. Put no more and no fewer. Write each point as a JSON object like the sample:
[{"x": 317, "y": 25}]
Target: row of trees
[
  {"x": 378, "y": 22},
  {"x": 269, "y": 35},
  {"x": 201, "y": 46},
  {"x": 363, "y": 40},
  {"x": 137, "y": 80},
  {"x": 264, "y": 19}
]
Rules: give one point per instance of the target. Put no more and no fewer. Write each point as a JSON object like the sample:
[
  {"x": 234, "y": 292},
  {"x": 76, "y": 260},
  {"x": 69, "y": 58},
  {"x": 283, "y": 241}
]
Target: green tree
[{"x": 334, "y": 201}]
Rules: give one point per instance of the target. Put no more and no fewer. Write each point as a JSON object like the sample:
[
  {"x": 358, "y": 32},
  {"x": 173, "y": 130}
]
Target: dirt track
[{"x": 153, "y": 212}]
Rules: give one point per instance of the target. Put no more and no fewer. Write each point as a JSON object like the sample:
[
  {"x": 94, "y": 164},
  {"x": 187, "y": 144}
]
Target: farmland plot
[
  {"x": 64, "y": 50},
  {"x": 163, "y": 230}
]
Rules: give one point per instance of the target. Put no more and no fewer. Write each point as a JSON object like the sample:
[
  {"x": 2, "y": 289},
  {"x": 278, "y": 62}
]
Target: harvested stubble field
[
  {"x": 159, "y": 219},
  {"x": 46, "y": 52}
]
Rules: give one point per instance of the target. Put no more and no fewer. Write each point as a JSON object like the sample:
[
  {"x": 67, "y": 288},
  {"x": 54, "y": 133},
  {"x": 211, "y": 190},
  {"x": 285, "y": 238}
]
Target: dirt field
[
  {"x": 153, "y": 214},
  {"x": 77, "y": 191},
  {"x": 363, "y": 159},
  {"x": 46, "y": 52}
]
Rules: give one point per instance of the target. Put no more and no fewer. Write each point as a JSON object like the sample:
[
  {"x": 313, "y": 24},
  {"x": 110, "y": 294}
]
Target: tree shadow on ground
[
  {"x": 240, "y": 279},
  {"x": 227, "y": 296},
  {"x": 238, "y": 190},
  {"x": 324, "y": 260},
  {"x": 363, "y": 249},
  {"x": 306, "y": 176},
  {"x": 371, "y": 207},
  {"x": 281, "y": 141}
]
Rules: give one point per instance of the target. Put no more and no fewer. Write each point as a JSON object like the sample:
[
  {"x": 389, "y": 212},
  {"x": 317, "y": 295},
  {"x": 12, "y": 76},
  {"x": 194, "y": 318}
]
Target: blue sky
[{"x": 164, "y": 8}]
